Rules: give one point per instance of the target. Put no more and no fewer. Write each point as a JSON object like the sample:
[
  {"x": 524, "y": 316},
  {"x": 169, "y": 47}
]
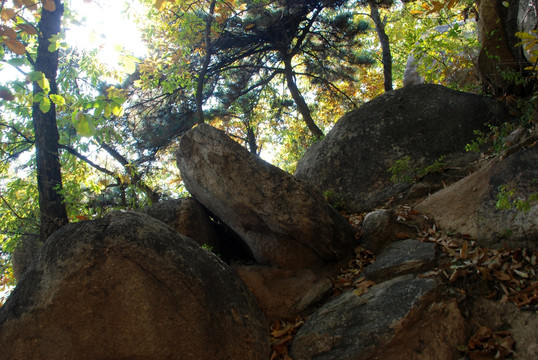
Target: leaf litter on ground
[{"x": 508, "y": 274}]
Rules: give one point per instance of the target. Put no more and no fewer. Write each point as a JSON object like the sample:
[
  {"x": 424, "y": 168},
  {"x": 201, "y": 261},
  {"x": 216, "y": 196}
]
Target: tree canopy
[{"x": 80, "y": 137}]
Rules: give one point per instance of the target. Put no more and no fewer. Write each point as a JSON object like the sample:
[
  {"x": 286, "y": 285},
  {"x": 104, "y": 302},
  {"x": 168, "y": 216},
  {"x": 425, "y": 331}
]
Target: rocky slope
[{"x": 431, "y": 269}]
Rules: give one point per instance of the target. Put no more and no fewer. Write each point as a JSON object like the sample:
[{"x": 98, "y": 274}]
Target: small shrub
[
  {"x": 505, "y": 199},
  {"x": 403, "y": 172}
]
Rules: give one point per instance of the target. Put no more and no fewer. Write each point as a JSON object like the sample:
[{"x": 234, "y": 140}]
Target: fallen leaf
[
  {"x": 451, "y": 252},
  {"x": 281, "y": 332},
  {"x": 457, "y": 274},
  {"x": 362, "y": 288},
  {"x": 501, "y": 275},
  {"x": 464, "y": 251},
  {"x": 521, "y": 273}
]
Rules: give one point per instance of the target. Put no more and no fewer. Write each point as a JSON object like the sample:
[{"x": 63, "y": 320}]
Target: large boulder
[
  {"x": 403, "y": 318},
  {"x": 469, "y": 206},
  {"x": 188, "y": 217},
  {"x": 130, "y": 287},
  {"x": 24, "y": 253},
  {"x": 422, "y": 122},
  {"x": 285, "y": 294},
  {"x": 285, "y": 222}
]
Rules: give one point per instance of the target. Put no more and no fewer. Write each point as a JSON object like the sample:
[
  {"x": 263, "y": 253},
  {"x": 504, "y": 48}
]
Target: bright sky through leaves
[
  {"x": 107, "y": 25},
  {"x": 104, "y": 25}
]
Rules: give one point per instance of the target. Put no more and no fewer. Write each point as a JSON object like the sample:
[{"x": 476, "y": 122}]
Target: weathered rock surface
[
  {"x": 285, "y": 222},
  {"x": 130, "y": 287},
  {"x": 188, "y": 217},
  {"x": 382, "y": 227},
  {"x": 378, "y": 229},
  {"x": 284, "y": 294},
  {"x": 468, "y": 206},
  {"x": 423, "y": 122},
  {"x": 400, "y": 258},
  {"x": 387, "y": 322},
  {"x": 24, "y": 254},
  {"x": 521, "y": 325}
]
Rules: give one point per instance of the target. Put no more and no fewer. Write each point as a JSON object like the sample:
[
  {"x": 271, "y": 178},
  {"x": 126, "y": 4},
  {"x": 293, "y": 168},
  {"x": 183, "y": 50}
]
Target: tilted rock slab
[
  {"x": 423, "y": 122},
  {"x": 403, "y": 318},
  {"x": 469, "y": 205},
  {"x": 129, "y": 287},
  {"x": 285, "y": 222}
]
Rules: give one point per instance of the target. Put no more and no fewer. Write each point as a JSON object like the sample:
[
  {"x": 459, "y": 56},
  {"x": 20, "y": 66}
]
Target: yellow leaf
[
  {"x": 16, "y": 46},
  {"x": 530, "y": 46},
  {"x": 159, "y": 4},
  {"x": 525, "y": 35},
  {"x": 7, "y": 14},
  {"x": 416, "y": 12},
  {"x": 281, "y": 332},
  {"x": 49, "y": 5}
]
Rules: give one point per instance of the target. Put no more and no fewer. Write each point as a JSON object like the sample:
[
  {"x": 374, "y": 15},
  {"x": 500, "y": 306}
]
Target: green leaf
[
  {"x": 54, "y": 44},
  {"x": 41, "y": 80},
  {"x": 38, "y": 96},
  {"x": 57, "y": 99},
  {"x": 118, "y": 100},
  {"x": 18, "y": 61},
  {"x": 44, "y": 84},
  {"x": 85, "y": 126},
  {"x": 36, "y": 75},
  {"x": 44, "y": 105}
]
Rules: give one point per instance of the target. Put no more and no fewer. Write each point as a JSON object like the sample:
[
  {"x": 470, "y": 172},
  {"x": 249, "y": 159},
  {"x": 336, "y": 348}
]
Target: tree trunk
[
  {"x": 49, "y": 178},
  {"x": 251, "y": 140},
  {"x": 385, "y": 44},
  {"x": 500, "y": 56},
  {"x": 200, "y": 81},
  {"x": 299, "y": 100}
]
